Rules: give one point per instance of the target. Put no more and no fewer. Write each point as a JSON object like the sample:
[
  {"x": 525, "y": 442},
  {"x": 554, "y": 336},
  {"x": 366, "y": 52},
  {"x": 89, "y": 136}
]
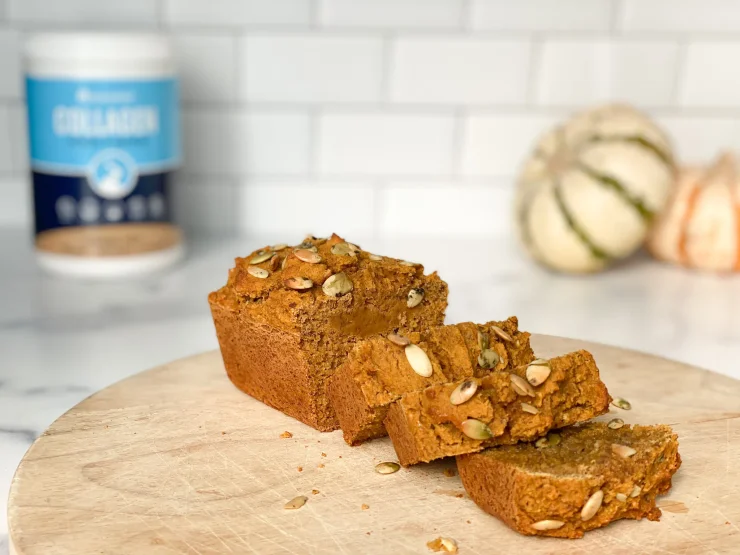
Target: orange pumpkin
[{"x": 700, "y": 226}]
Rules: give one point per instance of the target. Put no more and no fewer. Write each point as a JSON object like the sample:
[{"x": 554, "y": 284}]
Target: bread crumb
[
  {"x": 368, "y": 533},
  {"x": 321, "y": 465},
  {"x": 315, "y": 491},
  {"x": 323, "y": 454},
  {"x": 467, "y": 521},
  {"x": 450, "y": 473},
  {"x": 340, "y": 456},
  {"x": 286, "y": 434},
  {"x": 300, "y": 469},
  {"x": 459, "y": 495},
  {"x": 223, "y": 433},
  {"x": 365, "y": 506},
  {"x": 446, "y": 545}
]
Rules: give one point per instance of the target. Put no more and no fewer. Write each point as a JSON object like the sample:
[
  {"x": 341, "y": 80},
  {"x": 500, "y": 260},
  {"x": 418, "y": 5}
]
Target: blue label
[{"x": 102, "y": 147}]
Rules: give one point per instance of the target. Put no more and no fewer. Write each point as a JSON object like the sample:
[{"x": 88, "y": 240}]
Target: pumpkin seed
[
  {"x": 541, "y": 443},
  {"x": 285, "y": 262},
  {"x": 623, "y": 404},
  {"x": 521, "y": 386},
  {"x": 306, "y": 245},
  {"x": 258, "y": 272},
  {"x": 375, "y": 257},
  {"x": 419, "y": 360},
  {"x": 531, "y": 409},
  {"x": 488, "y": 358},
  {"x": 307, "y": 256},
  {"x": 482, "y": 340},
  {"x": 615, "y": 423},
  {"x": 475, "y": 429},
  {"x": 345, "y": 249},
  {"x": 637, "y": 490},
  {"x": 414, "y": 297},
  {"x": 261, "y": 257},
  {"x": 448, "y": 544},
  {"x": 337, "y": 285},
  {"x": 544, "y": 525},
  {"x": 501, "y": 333},
  {"x": 538, "y": 372},
  {"x": 296, "y": 502},
  {"x": 387, "y": 467},
  {"x": 621, "y": 497},
  {"x": 279, "y": 247},
  {"x": 553, "y": 439},
  {"x": 623, "y": 451},
  {"x": 463, "y": 392},
  {"x": 592, "y": 506},
  {"x": 407, "y": 263},
  {"x": 400, "y": 340},
  {"x": 298, "y": 283}
]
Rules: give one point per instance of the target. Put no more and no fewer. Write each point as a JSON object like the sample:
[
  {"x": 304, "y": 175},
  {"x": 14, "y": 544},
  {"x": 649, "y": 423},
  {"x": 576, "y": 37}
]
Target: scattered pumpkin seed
[
  {"x": 400, "y": 340},
  {"x": 298, "y": 283},
  {"x": 296, "y": 502},
  {"x": 285, "y": 262},
  {"x": 448, "y": 544},
  {"x": 279, "y": 247},
  {"x": 345, "y": 249},
  {"x": 307, "y": 256},
  {"x": 275, "y": 262},
  {"x": 592, "y": 506},
  {"x": 482, "y": 340},
  {"x": 258, "y": 272},
  {"x": 337, "y": 285},
  {"x": 623, "y": 404},
  {"x": 375, "y": 257},
  {"x": 637, "y": 490},
  {"x": 488, "y": 358},
  {"x": 463, "y": 392},
  {"x": 531, "y": 409},
  {"x": 415, "y": 296},
  {"x": 623, "y": 451},
  {"x": 261, "y": 257},
  {"x": 419, "y": 360},
  {"x": 387, "y": 467},
  {"x": 621, "y": 497},
  {"x": 475, "y": 429},
  {"x": 538, "y": 372},
  {"x": 306, "y": 245},
  {"x": 501, "y": 333},
  {"x": 544, "y": 525},
  {"x": 615, "y": 423},
  {"x": 521, "y": 386}
]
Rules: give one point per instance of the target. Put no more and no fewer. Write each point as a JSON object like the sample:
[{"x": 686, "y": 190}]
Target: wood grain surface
[{"x": 176, "y": 460}]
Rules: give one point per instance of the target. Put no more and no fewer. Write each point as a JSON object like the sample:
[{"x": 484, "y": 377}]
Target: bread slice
[
  {"x": 593, "y": 476},
  {"x": 288, "y": 316},
  {"x": 425, "y": 425},
  {"x": 377, "y": 371}
]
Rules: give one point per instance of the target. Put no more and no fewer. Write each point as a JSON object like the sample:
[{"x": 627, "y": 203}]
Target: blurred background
[{"x": 401, "y": 125}]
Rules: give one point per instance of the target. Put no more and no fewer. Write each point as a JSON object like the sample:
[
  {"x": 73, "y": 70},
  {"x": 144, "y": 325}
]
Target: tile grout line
[
  {"x": 536, "y": 54},
  {"x": 681, "y": 59}
]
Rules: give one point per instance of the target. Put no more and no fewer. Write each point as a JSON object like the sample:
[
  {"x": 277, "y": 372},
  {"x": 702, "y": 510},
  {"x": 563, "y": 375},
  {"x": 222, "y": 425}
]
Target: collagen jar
[{"x": 103, "y": 114}]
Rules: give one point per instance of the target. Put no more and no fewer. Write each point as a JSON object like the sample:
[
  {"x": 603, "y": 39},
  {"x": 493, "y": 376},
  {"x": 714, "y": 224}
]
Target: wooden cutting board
[{"x": 176, "y": 460}]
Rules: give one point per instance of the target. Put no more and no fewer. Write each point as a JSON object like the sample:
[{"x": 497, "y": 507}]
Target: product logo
[{"x": 112, "y": 174}]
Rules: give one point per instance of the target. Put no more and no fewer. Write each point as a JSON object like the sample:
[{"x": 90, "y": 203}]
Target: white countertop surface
[{"x": 61, "y": 340}]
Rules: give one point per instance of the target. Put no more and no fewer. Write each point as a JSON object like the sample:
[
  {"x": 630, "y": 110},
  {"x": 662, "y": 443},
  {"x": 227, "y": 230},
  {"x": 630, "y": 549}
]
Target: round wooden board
[{"x": 176, "y": 460}]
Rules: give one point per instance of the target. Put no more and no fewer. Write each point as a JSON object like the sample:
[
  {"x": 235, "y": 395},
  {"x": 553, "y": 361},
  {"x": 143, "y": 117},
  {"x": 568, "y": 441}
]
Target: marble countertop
[{"x": 61, "y": 340}]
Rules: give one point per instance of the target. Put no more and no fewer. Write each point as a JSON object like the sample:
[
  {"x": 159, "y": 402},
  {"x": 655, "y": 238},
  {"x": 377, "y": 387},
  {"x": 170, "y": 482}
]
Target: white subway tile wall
[{"x": 403, "y": 117}]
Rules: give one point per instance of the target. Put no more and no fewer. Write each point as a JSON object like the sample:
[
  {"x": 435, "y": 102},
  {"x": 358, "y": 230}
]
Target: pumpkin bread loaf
[
  {"x": 593, "y": 476},
  {"x": 521, "y": 404},
  {"x": 381, "y": 369},
  {"x": 287, "y": 317}
]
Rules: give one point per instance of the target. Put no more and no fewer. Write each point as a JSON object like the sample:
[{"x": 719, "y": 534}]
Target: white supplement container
[{"x": 104, "y": 130}]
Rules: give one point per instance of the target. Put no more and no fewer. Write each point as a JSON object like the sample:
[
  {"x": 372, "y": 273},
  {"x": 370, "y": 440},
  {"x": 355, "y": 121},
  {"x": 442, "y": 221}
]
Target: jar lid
[{"x": 98, "y": 47}]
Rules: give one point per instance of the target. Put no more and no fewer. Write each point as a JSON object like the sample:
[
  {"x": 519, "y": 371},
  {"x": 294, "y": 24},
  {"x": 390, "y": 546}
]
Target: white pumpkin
[
  {"x": 588, "y": 192},
  {"x": 700, "y": 227}
]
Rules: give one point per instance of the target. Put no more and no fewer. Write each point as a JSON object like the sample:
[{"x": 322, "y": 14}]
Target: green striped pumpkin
[{"x": 587, "y": 194}]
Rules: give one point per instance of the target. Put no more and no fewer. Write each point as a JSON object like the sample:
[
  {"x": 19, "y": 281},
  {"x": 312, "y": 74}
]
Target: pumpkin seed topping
[
  {"x": 298, "y": 283},
  {"x": 615, "y": 423},
  {"x": 400, "y": 340},
  {"x": 637, "y": 490},
  {"x": 521, "y": 386},
  {"x": 415, "y": 296},
  {"x": 375, "y": 257},
  {"x": 538, "y": 372},
  {"x": 621, "y": 497},
  {"x": 296, "y": 502},
  {"x": 307, "y": 256},
  {"x": 279, "y": 247},
  {"x": 337, "y": 285},
  {"x": 262, "y": 256},
  {"x": 387, "y": 467},
  {"x": 419, "y": 360},
  {"x": 623, "y": 404},
  {"x": 623, "y": 451},
  {"x": 345, "y": 249},
  {"x": 501, "y": 333},
  {"x": 488, "y": 358},
  {"x": 531, "y": 409},
  {"x": 482, "y": 340},
  {"x": 258, "y": 272},
  {"x": 592, "y": 506},
  {"x": 544, "y": 525},
  {"x": 475, "y": 429},
  {"x": 463, "y": 392}
]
